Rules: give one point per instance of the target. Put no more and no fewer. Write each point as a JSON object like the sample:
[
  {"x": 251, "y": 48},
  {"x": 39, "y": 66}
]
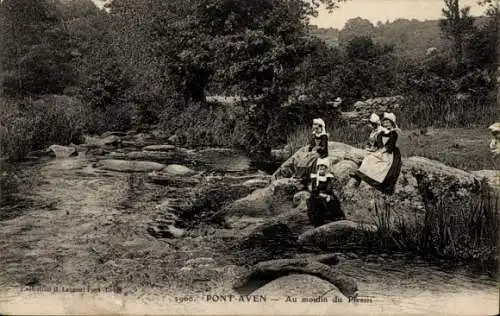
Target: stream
[{"x": 66, "y": 223}]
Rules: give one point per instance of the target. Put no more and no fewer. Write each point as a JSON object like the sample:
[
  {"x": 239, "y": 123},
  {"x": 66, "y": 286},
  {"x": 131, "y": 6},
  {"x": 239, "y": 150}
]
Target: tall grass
[
  {"x": 465, "y": 231},
  {"x": 420, "y": 111}
]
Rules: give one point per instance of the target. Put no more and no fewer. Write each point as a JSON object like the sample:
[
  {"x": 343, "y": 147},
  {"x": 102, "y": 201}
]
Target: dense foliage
[{"x": 147, "y": 62}]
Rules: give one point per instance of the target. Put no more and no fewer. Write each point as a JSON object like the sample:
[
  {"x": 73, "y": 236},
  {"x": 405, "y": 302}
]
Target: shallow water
[{"x": 70, "y": 223}]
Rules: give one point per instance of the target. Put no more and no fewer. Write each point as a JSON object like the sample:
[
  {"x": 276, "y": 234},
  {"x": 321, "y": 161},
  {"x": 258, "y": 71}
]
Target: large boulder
[
  {"x": 422, "y": 184},
  {"x": 336, "y": 153},
  {"x": 129, "y": 166},
  {"x": 268, "y": 201},
  {"x": 300, "y": 285},
  {"x": 267, "y": 271},
  {"x": 267, "y": 239}
]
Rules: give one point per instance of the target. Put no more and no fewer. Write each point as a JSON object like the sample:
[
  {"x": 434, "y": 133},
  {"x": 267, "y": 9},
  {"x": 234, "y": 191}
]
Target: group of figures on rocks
[{"x": 380, "y": 168}]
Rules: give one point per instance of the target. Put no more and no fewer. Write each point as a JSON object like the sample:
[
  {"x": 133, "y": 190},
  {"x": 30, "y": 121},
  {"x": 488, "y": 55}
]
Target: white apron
[{"x": 376, "y": 165}]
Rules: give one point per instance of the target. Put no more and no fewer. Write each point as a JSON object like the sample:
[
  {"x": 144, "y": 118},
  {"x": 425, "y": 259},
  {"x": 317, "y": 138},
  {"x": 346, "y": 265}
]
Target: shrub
[
  {"x": 27, "y": 125},
  {"x": 202, "y": 124}
]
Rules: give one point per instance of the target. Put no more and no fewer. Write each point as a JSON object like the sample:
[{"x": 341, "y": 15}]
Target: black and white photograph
[{"x": 249, "y": 157}]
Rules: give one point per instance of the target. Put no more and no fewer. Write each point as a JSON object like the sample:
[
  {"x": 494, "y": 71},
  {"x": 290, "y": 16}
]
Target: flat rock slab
[
  {"x": 130, "y": 166},
  {"x": 149, "y": 155},
  {"x": 336, "y": 233},
  {"x": 165, "y": 147},
  {"x": 161, "y": 178},
  {"x": 267, "y": 271},
  {"x": 96, "y": 141}
]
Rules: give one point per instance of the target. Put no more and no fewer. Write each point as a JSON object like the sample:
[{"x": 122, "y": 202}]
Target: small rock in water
[
  {"x": 168, "y": 231},
  {"x": 63, "y": 151},
  {"x": 256, "y": 183},
  {"x": 175, "y": 232},
  {"x": 178, "y": 170},
  {"x": 106, "y": 134},
  {"x": 174, "y": 139},
  {"x": 130, "y": 166}
]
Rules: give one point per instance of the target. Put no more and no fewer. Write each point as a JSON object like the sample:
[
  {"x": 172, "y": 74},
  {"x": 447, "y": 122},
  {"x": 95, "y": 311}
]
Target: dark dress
[
  {"x": 321, "y": 142},
  {"x": 308, "y": 163},
  {"x": 319, "y": 210},
  {"x": 388, "y": 185}
]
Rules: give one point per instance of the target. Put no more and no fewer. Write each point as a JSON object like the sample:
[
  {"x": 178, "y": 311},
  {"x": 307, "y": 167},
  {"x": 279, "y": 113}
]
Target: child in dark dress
[
  {"x": 323, "y": 205},
  {"x": 317, "y": 149},
  {"x": 319, "y": 139}
]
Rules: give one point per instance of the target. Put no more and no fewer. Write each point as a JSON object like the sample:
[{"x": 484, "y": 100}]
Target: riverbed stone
[
  {"x": 63, "y": 151},
  {"x": 178, "y": 170},
  {"x": 163, "y": 147},
  {"x": 162, "y": 178},
  {"x": 129, "y": 166},
  {"x": 165, "y": 231},
  {"x": 96, "y": 141}
]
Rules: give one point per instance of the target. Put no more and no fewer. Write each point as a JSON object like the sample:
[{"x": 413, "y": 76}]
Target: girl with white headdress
[
  {"x": 382, "y": 167},
  {"x": 319, "y": 140},
  {"x": 376, "y": 129},
  {"x": 318, "y": 148},
  {"x": 323, "y": 206}
]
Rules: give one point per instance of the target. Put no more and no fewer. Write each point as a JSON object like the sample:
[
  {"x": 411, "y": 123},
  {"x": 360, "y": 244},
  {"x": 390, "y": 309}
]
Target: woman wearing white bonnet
[{"x": 382, "y": 167}]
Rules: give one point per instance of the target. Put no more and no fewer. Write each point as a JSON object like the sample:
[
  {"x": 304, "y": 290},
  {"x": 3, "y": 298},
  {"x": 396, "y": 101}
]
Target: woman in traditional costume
[
  {"x": 381, "y": 168},
  {"x": 323, "y": 206},
  {"x": 318, "y": 148}
]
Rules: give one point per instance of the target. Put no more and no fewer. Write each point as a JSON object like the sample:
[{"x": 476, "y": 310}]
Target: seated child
[{"x": 323, "y": 205}]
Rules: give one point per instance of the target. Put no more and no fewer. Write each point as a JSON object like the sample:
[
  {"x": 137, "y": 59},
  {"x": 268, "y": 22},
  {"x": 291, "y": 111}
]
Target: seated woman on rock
[
  {"x": 376, "y": 129},
  {"x": 318, "y": 148},
  {"x": 381, "y": 168},
  {"x": 323, "y": 206}
]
